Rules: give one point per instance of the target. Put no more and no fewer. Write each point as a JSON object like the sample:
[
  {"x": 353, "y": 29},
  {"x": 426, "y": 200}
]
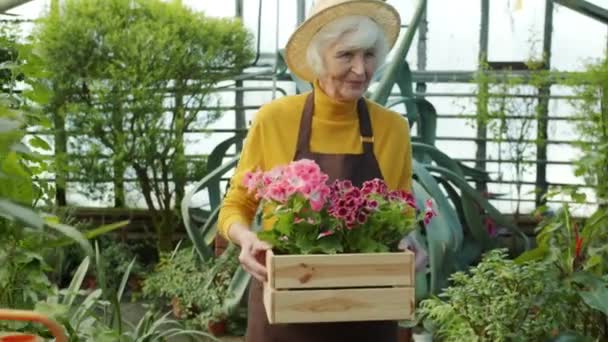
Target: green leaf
[
  {"x": 538, "y": 253},
  {"x": 18, "y": 187},
  {"x": 21, "y": 214},
  {"x": 39, "y": 143},
  {"x": 76, "y": 282},
  {"x": 73, "y": 234},
  {"x": 595, "y": 292},
  {"x": 39, "y": 93},
  {"x": 236, "y": 289},
  {"x": 284, "y": 223},
  {"x": 89, "y": 234},
  {"x": 123, "y": 283}
]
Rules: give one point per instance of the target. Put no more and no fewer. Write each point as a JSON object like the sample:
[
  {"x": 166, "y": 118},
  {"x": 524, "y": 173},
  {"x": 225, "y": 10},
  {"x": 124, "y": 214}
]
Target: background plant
[
  {"x": 507, "y": 106},
  {"x": 501, "y": 300},
  {"x": 198, "y": 290},
  {"x": 130, "y": 78},
  {"x": 91, "y": 316},
  {"x": 591, "y": 108},
  {"x": 578, "y": 250}
]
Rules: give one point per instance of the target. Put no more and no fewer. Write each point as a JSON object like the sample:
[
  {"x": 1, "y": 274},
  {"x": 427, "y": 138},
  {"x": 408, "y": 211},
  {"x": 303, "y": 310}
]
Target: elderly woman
[{"x": 338, "y": 49}]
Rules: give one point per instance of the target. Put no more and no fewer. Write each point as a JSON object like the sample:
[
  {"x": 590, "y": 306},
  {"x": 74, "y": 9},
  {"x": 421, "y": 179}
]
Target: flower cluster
[
  {"x": 311, "y": 216},
  {"x": 302, "y": 177},
  {"x": 354, "y": 205}
]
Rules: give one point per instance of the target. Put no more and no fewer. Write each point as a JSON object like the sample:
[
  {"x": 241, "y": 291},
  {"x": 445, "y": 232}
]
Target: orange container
[{"x": 30, "y": 316}]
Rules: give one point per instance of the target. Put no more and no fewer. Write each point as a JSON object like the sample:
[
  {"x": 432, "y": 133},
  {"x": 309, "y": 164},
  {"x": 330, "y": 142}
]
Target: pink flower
[
  {"x": 374, "y": 186},
  {"x": 429, "y": 211},
  {"x": 361, "y": 218},
  {"x": 371, "y": 205}
]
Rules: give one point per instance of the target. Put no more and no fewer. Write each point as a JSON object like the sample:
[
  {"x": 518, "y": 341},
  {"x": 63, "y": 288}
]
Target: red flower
[
  {"x": 490, "y": 226},
  {"x": 578, "y": 242}
]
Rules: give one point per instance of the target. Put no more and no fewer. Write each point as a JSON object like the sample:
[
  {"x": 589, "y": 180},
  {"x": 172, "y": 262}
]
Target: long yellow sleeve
[{"x": 271, "y": 141}]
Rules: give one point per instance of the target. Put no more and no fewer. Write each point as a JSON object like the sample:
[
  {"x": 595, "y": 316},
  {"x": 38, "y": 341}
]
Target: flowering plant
[{"x": 311, "y": 216}]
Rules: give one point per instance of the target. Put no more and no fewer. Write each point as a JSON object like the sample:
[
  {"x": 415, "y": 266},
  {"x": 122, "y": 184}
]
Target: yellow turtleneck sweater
[{"x": 272, "y": 139}]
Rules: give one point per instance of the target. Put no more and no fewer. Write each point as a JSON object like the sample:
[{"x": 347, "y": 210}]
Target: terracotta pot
[
  {"x": 217, "y": 328},
  {"x": 135, "y": 283},
  {"x": 89, "y": 282},
  {"x": 405, "y": 335},
  {"x": 177, "y": 308}
]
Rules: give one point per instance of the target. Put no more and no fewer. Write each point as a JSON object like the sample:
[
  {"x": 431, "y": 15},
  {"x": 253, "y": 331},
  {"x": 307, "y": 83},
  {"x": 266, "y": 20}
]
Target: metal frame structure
[{"x": 421, "y": 77}]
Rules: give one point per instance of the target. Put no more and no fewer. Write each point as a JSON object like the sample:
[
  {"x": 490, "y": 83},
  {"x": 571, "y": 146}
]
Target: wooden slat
[
  {"x": 343, "y": 305},
  {"x": 268, "y": 303},
  {"x": 340, "y": 270}
]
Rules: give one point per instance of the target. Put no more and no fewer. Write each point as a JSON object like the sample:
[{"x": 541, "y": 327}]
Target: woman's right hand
[{"x": 253, "y": 251}]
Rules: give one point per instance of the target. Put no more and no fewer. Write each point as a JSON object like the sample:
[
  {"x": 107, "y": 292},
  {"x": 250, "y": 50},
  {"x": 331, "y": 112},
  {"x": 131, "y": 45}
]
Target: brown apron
[{"x": 358, "y": 168}]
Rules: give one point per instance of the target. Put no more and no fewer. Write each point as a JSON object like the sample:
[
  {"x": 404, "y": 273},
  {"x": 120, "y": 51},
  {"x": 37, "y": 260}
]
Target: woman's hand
[{"x": 253, "y": 251}]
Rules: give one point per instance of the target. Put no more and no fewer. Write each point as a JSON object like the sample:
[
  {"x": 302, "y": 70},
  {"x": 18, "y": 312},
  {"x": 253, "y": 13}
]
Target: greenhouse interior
[{"x": 144, "y": 193}]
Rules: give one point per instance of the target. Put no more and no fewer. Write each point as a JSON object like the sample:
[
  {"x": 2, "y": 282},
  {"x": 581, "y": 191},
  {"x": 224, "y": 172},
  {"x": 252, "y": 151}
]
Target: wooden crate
[{"x": 339, "y": 288}]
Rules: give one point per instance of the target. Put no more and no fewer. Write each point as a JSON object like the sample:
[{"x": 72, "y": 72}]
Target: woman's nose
[{"x": 358, "y": 64}]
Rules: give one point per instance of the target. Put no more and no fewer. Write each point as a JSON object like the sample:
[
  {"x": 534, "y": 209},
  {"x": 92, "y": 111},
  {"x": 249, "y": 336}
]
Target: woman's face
[{"x": 347, "y": 71}]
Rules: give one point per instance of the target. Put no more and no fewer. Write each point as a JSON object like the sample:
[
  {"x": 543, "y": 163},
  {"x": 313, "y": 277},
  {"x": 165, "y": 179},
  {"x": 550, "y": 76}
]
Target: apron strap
[
  {"x": 305, "y": 125},
  {"x": 365, "y": 126}
]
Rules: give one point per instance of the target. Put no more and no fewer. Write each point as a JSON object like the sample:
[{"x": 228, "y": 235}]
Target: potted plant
[
  {"x": 336, "y": 236},
  {"x": 196, "y": 291}
]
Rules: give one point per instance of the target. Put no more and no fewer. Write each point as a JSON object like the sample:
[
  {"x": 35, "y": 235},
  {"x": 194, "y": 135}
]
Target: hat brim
[{"x": 385, "y": 15}]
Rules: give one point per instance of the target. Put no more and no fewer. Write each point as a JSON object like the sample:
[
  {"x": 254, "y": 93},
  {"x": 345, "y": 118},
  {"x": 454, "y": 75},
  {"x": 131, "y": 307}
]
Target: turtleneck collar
[{"x": 331, "y": 109}]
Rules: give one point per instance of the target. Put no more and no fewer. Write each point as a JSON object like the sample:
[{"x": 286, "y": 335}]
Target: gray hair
[{"x": 364, "y": 34}]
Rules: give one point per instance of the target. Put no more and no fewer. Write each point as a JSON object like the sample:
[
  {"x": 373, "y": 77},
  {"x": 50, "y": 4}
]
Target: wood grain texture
[
  {"x": 340, "y": 270},
  {"x": 340, "y": 305},
  {"x": 269, "y": 303}
]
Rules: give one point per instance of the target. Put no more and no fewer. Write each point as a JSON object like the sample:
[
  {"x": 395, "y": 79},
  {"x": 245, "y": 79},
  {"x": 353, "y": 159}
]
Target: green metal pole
[
  {"x": 543, "y": 109},
  {"x": 60, "y": 136},
  {"x": 6, "y": 5},
  {"x": 239, "y": 114},
  {"x": 422, "y": 39},
  {"x": 603, "y": 190},
  {"x": 482, "y": 99},
  {"x": 390, "y": 74},
  {"x": 586, "y": 8},
  {"x": 301, "y": 11}
]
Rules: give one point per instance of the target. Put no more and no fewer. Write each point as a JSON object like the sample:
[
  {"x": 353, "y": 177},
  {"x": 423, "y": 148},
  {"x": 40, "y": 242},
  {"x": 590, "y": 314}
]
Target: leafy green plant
[
  {"x": 501, "y": 300},
  {"x": 578, "y": 250},
  {"x": 508, "y": 109},
  {"x": 88, "y": 316},
  {"x": 117, "y": 257},
  {"x": 197, "y": 290},
  {"x": 114, "y": 65},
  {"x": 591, "y": 108},
  {"x": 26, "y": 232}
]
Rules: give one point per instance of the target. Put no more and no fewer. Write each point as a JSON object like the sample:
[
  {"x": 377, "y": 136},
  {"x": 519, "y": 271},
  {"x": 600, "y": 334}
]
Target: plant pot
[
  {"x": 217, "y": 328},
  {"x": 177, "y": 308},
  {"x": 135, "y": 283},
  {"x": 89, "y": 282},
  {"x": 422, "y": 337},
  {"x": 405, "y": 335}
]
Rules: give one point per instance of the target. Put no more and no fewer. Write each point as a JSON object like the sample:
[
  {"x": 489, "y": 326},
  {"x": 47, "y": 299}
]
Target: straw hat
[{"x": 325, "y": 11}]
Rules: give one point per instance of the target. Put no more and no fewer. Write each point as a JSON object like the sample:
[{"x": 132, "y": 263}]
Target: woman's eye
[
  {"x": 345, "y": 54},
  {"x": 370, "y": 54}
]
